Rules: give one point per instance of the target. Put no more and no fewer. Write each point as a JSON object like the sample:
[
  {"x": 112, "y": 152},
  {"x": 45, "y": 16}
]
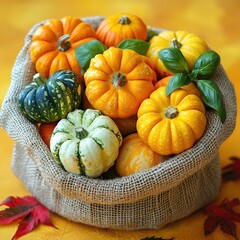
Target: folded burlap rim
[{"x": 119, "y": 190}]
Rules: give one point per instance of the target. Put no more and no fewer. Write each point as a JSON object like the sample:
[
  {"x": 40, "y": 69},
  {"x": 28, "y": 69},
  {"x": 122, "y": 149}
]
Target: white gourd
[{"x": 86, "y": 142}]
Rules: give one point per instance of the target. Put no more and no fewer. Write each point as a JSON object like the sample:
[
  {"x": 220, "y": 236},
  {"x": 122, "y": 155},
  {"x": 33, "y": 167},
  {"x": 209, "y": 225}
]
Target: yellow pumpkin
[
  {"x": 115, "y": 28},
  {"x": 136, "y": 156},
  {"x": 191, "y": 46},
  {"x": 171, "y": 124},
  {"x": 191, "y": 88},
  {"x": 117, "y": 81}
]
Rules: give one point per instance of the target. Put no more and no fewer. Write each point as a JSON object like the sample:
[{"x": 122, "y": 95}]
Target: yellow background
[{"x": 217, "y": 21}]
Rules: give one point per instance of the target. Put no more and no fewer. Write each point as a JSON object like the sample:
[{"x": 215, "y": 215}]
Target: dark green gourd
[{"x": 49, "y": 100}]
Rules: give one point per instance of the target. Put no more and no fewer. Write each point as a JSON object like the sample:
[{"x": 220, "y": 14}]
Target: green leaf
[
  {"x": 212, "y": 97},
  {"x": 139, "y": 46},
  {"x": 86, "y": 51},
  {"x": 176, "y": 81},
  {"x": 206, "y": 64},
  {"x": 150, "y": 34},
  {"x": 173, "y": 60}
]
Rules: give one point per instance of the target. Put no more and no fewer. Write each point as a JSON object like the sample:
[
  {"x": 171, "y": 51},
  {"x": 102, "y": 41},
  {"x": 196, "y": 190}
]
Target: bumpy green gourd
[{"x": 49, "y": 100}]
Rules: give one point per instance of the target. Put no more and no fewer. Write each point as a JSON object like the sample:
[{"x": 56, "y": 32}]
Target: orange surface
[{"x": 217, "y": 21}]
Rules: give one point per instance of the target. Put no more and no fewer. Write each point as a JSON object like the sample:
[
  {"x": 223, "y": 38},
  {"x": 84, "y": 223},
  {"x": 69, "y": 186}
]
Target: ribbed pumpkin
[
  {"x": 191, "y": 46},
  {"x": 117, "y": 81},
  {"x": 171, "y": 124},
  {"x": 49, "y": 100},
  {"x": 86, "y": 142},
  {"x": 136, "y": 156},
  {"x": 191, "y": 88},
  {"x": 115, "y": 28},
  {"x": 54, "y": 42}
]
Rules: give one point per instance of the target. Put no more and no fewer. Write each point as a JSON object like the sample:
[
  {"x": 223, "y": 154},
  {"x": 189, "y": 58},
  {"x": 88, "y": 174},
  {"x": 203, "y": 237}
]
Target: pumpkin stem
[
  {"x": 118, "y": 80},
  {"x": 39, "y": 79},
  {"x": 62, "y": 44},
  {"x": 124, "y": 20},
  {"x": 81, "y": 132},
  {"x": 175, "y": 43},
  {"x": 171, "y": 112}
]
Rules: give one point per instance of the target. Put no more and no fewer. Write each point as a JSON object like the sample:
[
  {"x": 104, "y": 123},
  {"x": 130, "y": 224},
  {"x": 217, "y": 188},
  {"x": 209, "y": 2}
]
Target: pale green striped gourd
[
  {"x": 86, "y": 142},
  {"x": 49, "y": 100}
]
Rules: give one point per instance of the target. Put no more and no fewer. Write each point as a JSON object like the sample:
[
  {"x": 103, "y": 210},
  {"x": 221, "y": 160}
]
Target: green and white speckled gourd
[
  {"x": 49, "y": 100},
  {"x": 86, "y": 142}
]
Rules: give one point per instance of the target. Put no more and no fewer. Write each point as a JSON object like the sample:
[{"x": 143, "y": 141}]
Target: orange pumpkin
[
  {"x": 136, "y": 156},
  {"x": 54, "y": 42},
  {"x": 191, "y": 88},
  {"x": 117, "y": 81},
  {"x": 45, "y": 131},
  {"x": 115, "y": 28}
]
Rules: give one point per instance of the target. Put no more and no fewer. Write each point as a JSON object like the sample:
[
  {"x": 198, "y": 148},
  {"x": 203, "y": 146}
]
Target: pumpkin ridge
[
  {"x": 175, "y": 130},
  {"x": 46, "y": 113},
  {"x": 80, "y": 163},
  {"x": 35, "y": 111},
  {"x": 55, "y": 26},
  {"x": 37, "y": 51},
  {"x": 196, "y": 134},
  {"x": 55, "y": 105},
  {"x": 69, "y": 24},
  {"x": 190, "y": 128},
  {"x": 46, "y": 59}
]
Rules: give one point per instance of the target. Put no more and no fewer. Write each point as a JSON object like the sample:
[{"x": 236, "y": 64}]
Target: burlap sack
[{"x": 149, "y": 199}]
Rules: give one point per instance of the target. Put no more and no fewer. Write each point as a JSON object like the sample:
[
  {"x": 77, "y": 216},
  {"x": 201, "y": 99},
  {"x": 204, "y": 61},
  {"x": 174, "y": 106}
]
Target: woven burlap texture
[{"x": 149, "y": 199}]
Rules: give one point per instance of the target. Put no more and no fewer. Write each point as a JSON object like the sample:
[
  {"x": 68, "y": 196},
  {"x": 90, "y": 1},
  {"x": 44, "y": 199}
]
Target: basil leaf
[
  {"x": 139, "y": 46},
  {"x": 86, "y": 51},
  {"x": 176, "y": 81},
  {"x": 207, "y": 64},
  {"x": 173, "y": 60},
  {"x": 150, "y": 34},
  {"x": 212, "y": 97}
]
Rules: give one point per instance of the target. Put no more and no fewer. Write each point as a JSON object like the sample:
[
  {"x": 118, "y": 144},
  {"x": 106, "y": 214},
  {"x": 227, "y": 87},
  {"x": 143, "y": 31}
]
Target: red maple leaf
[
  {"x": 232, "y": 170},
  {"x": 222, "y": 215},
  {"x": 28, "y": 209}
]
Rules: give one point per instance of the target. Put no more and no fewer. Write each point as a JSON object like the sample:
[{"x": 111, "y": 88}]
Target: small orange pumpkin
[
  {"x": 135, "y": 156},
  {"x": 45, "y": 131},
  {"x": 117, "y": 81},
  {"x": 191, "y": 88},
  {"x": 115, "y": 28},
  {"x": 54, "y": 42}
]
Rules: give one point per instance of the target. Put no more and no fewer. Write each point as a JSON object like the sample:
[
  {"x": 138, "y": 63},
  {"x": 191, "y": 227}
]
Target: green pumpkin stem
[
  {"x": 175, "y": 43},
  {"x": 124, "y": 20},
  {"x": 171, "y": 112},
  {"x": 81, "y": 133},
  {"x": 39, "y": 79},
  {"x": 118, "y": 80},
  {"x": 62, "y": 44}
]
